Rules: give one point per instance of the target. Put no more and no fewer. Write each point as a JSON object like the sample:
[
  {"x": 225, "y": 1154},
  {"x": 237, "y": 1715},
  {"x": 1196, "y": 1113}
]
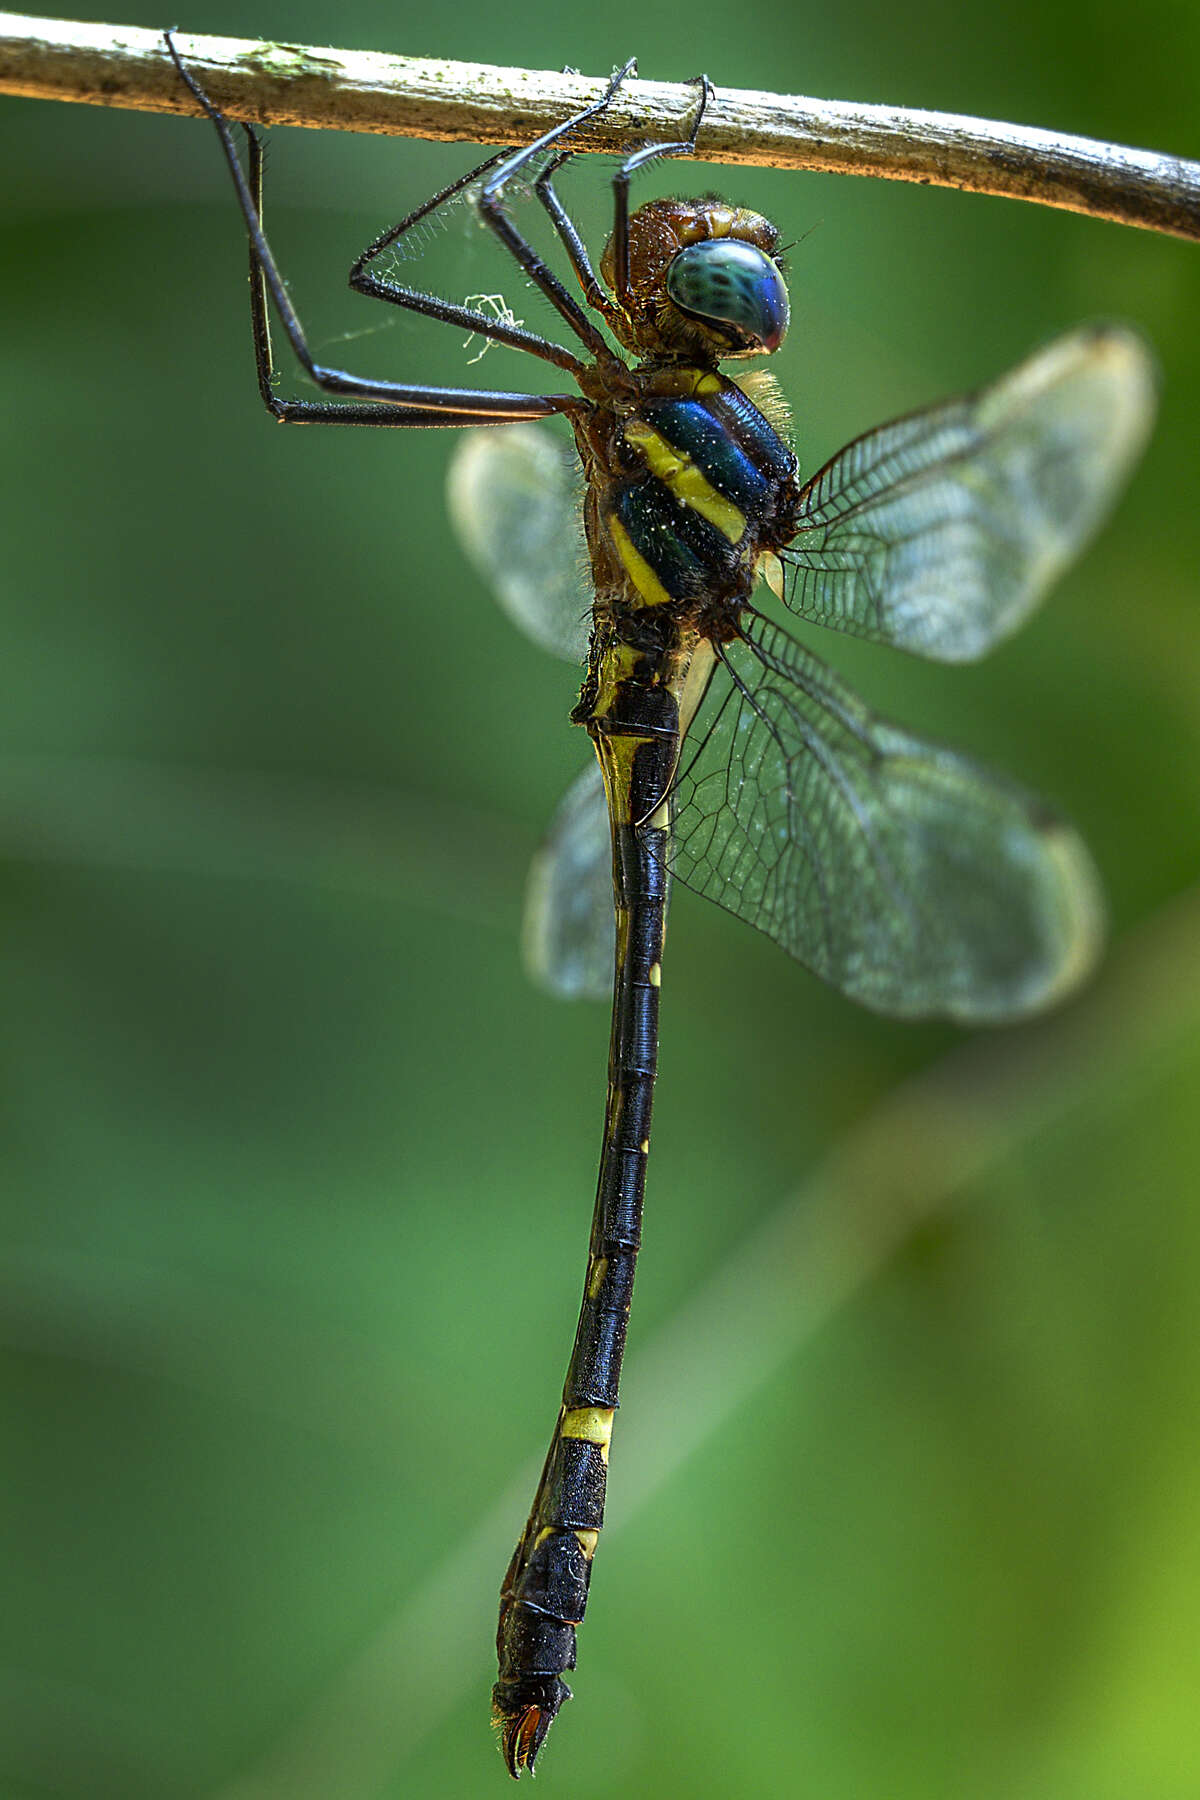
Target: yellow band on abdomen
[{"x": 591, "y": 1423}]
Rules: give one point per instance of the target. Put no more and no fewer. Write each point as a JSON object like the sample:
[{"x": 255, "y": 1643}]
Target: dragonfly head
[{"x": 702, "y": 281}]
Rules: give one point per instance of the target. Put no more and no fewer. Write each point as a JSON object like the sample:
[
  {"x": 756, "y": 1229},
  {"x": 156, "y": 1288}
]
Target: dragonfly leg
[
  {"x": 624, "y": 175},
  {"x": 491, "y": 208},
  {"x": 390, "y": 402},
  {"x": 570, "y": 238},
  {"x": 364, "y": 281}
]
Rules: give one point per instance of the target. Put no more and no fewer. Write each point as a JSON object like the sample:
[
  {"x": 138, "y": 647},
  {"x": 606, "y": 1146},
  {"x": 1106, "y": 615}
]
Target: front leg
[{"x": 389, "y": 402}]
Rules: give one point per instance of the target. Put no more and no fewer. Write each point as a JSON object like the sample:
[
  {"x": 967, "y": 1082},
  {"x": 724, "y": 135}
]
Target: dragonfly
[{"x": 727, "y": 757}]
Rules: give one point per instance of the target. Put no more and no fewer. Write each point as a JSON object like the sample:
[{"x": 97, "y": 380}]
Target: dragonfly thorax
[
  {"x": 701, "y": 486},
  {"x": 702, "y": 282}
]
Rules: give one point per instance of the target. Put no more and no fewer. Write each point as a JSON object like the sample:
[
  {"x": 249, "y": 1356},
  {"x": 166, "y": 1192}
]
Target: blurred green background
[{"x": 297, "y": 1169}]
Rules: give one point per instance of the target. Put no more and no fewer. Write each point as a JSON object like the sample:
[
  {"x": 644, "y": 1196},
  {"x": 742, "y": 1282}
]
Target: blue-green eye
[{"x": 732, "y": 283}]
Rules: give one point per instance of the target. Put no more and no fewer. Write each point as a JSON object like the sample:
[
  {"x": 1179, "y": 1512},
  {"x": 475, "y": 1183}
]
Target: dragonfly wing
[
  {"x": 568, "y": 939},
  {"x": 904, "y": 874},
  {"x": 940, "y": 532},
  {"x": 513, "y": 494}
]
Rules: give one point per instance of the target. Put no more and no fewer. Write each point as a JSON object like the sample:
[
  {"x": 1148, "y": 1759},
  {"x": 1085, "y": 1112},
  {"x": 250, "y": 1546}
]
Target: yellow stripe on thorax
[
  {"x": 635, "y": 565},
  {"x": 679, "y": 474}
]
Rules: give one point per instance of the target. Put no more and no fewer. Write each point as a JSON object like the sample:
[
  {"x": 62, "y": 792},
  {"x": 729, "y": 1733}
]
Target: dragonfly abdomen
[{"x": 545, "y": 1589}]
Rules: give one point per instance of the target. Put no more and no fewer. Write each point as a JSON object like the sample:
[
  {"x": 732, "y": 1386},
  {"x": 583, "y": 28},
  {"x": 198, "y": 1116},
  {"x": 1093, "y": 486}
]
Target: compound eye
[{"x": 728, "y": 282}]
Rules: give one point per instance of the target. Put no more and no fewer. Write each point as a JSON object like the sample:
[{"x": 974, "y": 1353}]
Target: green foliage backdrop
[{"x": 296, "y": 1170}]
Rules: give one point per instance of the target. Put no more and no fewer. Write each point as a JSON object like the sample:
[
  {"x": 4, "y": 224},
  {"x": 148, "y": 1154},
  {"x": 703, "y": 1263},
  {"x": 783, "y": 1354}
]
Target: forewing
[
  {"x": 908, "y": 877},
  {"x": 513, "y": 494},
  {"x": 940, "y": 532},
  {"x": 568, "y": 938}
]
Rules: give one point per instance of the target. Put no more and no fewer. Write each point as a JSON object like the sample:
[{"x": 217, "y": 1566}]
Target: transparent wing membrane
[
  {"x": 940, "y": 532},
  {"x": 514, "y": 497},
  {"x": 904, "y": 874},
  {"x": 900, "y": 872},
  {"x": 568, "y": 937}
]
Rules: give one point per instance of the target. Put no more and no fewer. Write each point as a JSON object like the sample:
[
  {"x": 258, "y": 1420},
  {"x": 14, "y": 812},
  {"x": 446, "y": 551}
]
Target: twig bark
[{"x": 289, "y": 84}]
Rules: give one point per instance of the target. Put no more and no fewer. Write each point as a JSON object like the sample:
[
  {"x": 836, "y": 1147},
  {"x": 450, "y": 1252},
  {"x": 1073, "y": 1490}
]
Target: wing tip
[
  {"x": 1070, "y": 926},
  {"x": 1081, "y": 924},
  {"x": 1117, "y": 360}
]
